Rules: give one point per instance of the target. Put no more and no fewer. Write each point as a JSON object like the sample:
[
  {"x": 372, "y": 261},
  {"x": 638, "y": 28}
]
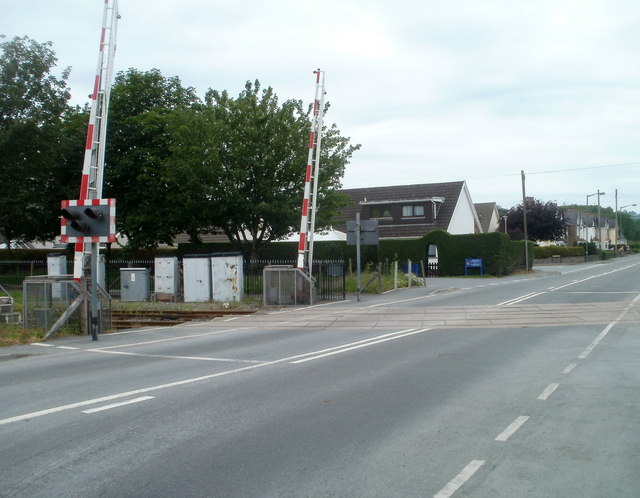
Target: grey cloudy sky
[{"x": 434, "y": 91}]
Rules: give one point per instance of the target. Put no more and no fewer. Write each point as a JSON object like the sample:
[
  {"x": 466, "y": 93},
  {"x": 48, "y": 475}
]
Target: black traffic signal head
[{"x": 85, "y": 219}]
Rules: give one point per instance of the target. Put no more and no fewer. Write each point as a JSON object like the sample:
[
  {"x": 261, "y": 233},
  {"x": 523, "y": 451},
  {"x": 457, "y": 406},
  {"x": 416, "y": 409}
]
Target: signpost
[{"x": 361, "y": 233}]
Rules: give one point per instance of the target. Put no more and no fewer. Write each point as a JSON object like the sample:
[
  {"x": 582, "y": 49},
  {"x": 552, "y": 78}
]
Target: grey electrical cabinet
[
  {"x": 227, "y": 277},
  {"x": 196, "y": 273},
  {"x": 134, "y": 284},
  {"x": 56, "y": 265},
  {"x": 167, "y": 278}
]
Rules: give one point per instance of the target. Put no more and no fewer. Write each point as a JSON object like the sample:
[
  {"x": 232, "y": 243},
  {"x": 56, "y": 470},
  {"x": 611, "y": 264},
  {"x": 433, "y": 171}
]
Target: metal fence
[
  {"x": 53, "y": 303},
  {"x": 329, "y": 275}
]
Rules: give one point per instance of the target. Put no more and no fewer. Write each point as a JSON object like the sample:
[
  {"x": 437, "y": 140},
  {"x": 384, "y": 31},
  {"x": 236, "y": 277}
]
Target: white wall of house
[
  {"x": 494, "y": 221},
  {"x": 464, "y": 219}
]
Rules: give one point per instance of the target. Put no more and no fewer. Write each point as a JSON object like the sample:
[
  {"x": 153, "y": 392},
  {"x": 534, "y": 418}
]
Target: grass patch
[
  {"x": 386, "y": 283},
  {"x": 142, "y": 306},
  {"x": 14, "y": 334}
]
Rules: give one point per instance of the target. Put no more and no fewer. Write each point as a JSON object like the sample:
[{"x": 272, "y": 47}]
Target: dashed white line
[
  {"x": 569, "y": 368},
  {"x": 458, "y": 481},
  {"x": 607, "y": 329},
  {"x": 548, "y": 391},
  {"x": 42, "y": 344},
  {"x": 509, "y": 431},
  {"x": 116, "y": 405},
  {"x": 596, "y": 341},
  {"x": 127, "y": 394},
  {"x": 70, "y": 348}
]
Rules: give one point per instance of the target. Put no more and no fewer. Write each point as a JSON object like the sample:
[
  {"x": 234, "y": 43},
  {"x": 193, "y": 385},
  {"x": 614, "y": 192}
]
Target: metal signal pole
[{"x": 93, "y": 166}]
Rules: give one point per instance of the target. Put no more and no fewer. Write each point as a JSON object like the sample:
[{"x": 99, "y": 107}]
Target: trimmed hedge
[
  {"x": 550, "y": 251},
  {"x": 500, "y": 255}
]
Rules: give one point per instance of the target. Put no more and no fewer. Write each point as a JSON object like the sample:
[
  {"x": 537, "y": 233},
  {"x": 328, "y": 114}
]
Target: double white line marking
[
  {"x": 517, "y": 300},
  {"x": 315, "y": 355}
]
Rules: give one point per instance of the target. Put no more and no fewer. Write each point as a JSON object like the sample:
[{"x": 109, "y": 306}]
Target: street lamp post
[
  {"x": 599, "y": 233},
  {"x": 619, "y": 229}
]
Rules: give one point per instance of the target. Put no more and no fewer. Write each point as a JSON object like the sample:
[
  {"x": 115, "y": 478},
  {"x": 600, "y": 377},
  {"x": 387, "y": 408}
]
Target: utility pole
[
  {"x": 615, "y": 244},
  {"x": 599, "y": 221},
  {"x": 526, "y": 233}
]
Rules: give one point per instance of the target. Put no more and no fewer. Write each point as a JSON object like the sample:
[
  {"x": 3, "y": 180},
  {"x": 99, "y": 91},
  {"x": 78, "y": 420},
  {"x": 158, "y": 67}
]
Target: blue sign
[{"x": 473, "y": 263}]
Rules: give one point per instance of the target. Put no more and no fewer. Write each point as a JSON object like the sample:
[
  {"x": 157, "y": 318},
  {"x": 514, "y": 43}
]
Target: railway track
[{"x": 167, "y": 318}]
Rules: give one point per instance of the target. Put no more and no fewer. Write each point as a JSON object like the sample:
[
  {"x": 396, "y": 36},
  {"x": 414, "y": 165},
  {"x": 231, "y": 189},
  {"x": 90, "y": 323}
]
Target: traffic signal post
[{"x": 89, "y": 221}]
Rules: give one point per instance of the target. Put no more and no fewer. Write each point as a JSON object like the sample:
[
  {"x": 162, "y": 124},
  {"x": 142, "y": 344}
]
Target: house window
[
  {"x": 412, "y": 211},
  {"x": 381, "y": 212}
]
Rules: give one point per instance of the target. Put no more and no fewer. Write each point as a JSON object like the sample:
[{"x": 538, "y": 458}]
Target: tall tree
[
  {"x": 263, "y": 153},
  {"x": 544, "y": 221},
  {"x": 35, "y": 123},
  {"x": 153, "y": 121}
]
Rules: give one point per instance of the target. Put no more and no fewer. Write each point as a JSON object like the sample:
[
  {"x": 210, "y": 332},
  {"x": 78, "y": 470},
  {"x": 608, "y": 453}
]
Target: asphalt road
[{"x": 518, "y": 386}]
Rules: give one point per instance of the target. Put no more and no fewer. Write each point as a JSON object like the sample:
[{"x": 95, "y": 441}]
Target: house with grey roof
[
  {"x": 488, "y": 215},
  {"x": 410, "y": 211},
  {"x": 585, "y": 227}
]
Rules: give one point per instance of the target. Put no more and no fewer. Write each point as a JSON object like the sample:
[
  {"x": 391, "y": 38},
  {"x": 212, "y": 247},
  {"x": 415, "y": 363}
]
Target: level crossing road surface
[{"x": 518, "y": 386}]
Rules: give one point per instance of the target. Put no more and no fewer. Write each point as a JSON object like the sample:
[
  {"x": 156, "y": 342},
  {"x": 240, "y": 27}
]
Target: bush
[{"x": 550, "y": 251}]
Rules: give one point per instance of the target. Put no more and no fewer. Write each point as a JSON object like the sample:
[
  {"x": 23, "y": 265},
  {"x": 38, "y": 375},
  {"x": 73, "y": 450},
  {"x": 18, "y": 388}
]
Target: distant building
[
  {"x": 410, "y": 211},
  {"x": 488, "y": 215}
]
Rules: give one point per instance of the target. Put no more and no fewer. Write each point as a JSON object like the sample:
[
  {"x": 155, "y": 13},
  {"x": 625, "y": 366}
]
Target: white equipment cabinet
[
  {"x": 227, "y": 277},
  {"x": 167, "y": 278},
  {"x": 196, "y": 270}
]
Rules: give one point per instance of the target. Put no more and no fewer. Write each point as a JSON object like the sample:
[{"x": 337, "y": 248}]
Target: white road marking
[
  {"x": 569, "y": 368},
  {"x": 401, "y": 301},
  {"x": 597, "y": 340},
  {"x": 168, "y": 339},
  {"x": 68, "y": 348},
  {"x": 367, "y": 343},
  {"x": 42, "y": 344},
  {"x": 127, "y": 394},
  {"x": 458, "y": 481},
  {"x": 607, "y": 329},
  {"x": 509, "y": 431},
  {"x": 593, "y": 276},
  {"x": 173, "y": 357},
  {"x": 169, "y": 385},
  {"x": 548, "y": 391},
  {"x": 116, "y": 405},
  {"x": 519, "y": 299}
]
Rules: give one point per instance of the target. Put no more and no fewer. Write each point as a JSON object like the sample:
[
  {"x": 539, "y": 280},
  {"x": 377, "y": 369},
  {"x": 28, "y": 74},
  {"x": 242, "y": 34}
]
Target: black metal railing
[{"x": 329, "y": 275}]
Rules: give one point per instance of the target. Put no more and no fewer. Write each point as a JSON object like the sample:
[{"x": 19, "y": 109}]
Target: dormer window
[
  {"x": 381, "y": 212},
  {"x": 413, "y": 211}
]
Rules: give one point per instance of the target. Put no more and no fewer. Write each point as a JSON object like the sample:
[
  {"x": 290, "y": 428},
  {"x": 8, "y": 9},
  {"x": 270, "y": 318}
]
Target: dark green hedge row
[{"x": 500, "y": 255}]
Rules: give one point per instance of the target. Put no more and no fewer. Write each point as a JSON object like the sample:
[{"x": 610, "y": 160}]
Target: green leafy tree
[
  {"x": 157, "y": 165},
  {"x": 37, "y": 129},
  {"x": 544, "y": 221},
  {"x": 263, "y": 153},
  {"x": 629, "y": 225},
  {"x": 237, "y": 166}
]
